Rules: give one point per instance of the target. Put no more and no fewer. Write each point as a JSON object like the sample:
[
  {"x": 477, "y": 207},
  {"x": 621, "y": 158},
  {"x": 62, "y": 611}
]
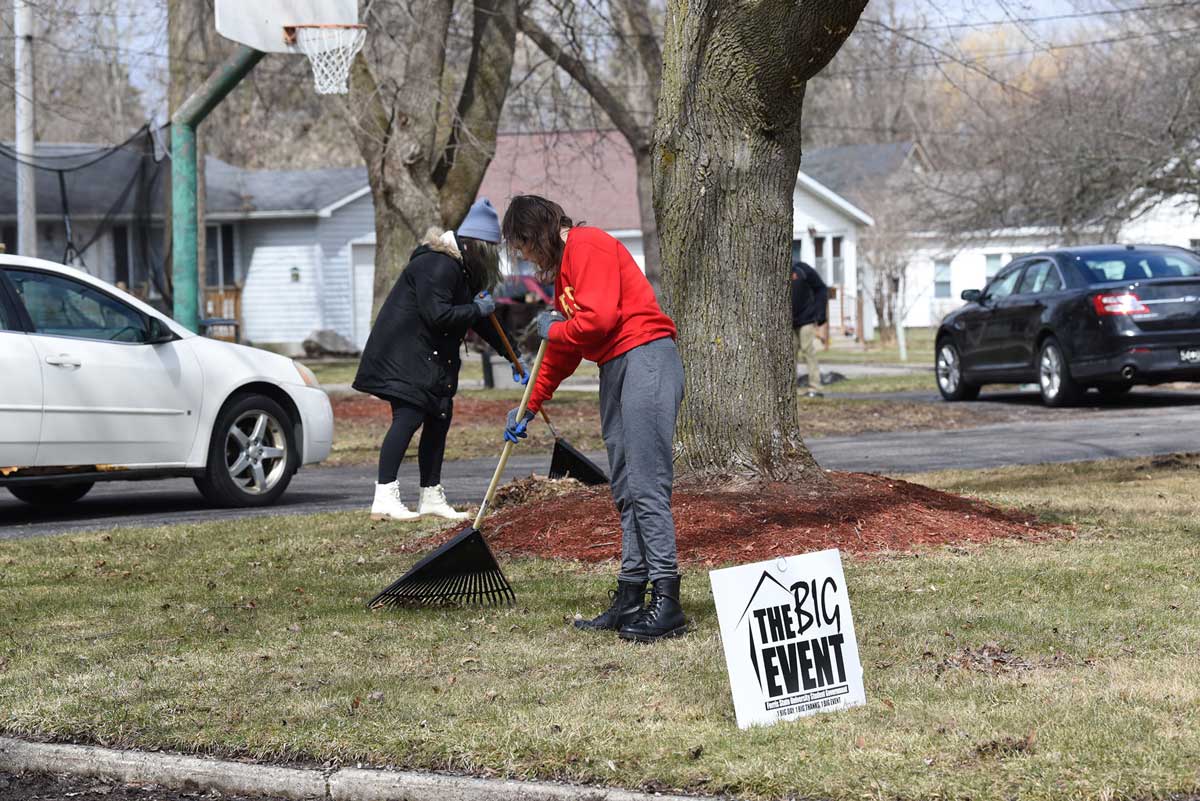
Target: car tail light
[{"x": 1119, "y": 304}]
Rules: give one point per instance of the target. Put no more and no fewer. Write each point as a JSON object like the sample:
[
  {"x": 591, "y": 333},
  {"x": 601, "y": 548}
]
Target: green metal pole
[{"x": 185, "y": 227}]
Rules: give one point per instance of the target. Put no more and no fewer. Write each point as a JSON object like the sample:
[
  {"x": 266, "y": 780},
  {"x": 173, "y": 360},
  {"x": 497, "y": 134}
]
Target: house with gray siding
[{"x": 291, "y": 252}]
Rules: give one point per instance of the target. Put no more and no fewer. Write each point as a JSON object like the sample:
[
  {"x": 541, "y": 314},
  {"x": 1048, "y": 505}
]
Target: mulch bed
[
  {"x": 467, "y": 411},
  {"x": 863, "y": 514}
]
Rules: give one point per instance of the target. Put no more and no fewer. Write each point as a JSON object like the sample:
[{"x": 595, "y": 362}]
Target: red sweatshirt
[{"x": 609, "y": 305}]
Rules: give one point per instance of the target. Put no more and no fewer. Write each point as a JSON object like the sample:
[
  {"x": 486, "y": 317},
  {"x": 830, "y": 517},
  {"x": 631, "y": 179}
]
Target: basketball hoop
[{"x": 331, "y": 50}]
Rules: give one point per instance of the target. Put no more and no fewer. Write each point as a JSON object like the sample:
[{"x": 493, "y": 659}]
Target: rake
[
  {"x": 567, "y": 461},
  {"x": 463, "y": 570}
]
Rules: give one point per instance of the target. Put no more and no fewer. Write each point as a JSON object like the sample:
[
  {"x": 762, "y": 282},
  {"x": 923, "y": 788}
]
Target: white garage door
[{"x": 363, "y": 257}]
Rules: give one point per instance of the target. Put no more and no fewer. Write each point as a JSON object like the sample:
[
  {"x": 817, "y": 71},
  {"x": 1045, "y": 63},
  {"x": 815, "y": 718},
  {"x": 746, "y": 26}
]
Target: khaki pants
[{"x": 804, "y": 339}]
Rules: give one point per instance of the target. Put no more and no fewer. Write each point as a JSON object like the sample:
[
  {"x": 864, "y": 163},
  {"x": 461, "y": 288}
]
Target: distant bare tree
[
  {"x": 613, "y": 52},
  {"x": 84, "y": 92}
]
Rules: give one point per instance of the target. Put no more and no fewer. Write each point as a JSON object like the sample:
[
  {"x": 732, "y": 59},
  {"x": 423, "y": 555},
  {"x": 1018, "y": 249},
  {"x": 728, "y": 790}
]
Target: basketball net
[{"x": 331, "y": 50}]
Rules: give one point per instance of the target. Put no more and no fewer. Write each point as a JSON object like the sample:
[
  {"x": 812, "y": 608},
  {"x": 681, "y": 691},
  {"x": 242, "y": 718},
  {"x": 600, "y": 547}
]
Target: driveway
[{"x": 1145, "y": 423}]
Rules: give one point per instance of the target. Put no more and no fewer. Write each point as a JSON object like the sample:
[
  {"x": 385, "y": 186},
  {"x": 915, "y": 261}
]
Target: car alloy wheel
[
  {"x": 949, "y": 370},
  {"x": 256, "y": 452},
  {"x": 1050, "y": 373}
]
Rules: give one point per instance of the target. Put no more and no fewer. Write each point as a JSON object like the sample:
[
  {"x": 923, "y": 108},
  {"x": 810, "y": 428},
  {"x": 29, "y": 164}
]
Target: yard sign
[{"x": 789, "y": 638}]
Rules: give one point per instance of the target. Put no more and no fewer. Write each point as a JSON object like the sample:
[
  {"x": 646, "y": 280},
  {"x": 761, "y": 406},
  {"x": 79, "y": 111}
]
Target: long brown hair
[
  {"x": 482, "y": 261},
  {"x": 533, "y": 225}
]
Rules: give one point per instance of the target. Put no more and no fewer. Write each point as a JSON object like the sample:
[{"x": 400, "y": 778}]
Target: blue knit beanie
[{"x": 482, "y": 222}]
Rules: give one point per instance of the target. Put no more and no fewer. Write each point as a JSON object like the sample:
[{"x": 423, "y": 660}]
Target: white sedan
[{"x": 97, "y": 386}]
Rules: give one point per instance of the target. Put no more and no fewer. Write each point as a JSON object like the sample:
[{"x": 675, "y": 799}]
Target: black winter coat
[
  {"x": 412, "y": 352},
  {"x": 810, "y": 296}
]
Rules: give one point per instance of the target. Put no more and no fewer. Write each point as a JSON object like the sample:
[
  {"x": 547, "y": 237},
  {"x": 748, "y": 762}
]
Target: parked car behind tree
[{"x": 1106, "y": 317}]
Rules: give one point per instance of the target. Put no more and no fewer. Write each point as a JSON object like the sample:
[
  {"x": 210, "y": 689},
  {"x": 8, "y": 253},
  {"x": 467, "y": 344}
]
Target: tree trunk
[
  {"x": 645, "y": 190},
  {"x": 397, "y": 86},
  {"x": 726, "y": 157}
]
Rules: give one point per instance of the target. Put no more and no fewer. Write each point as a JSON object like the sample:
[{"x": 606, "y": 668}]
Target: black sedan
[{"x": 1107, "y": 317}]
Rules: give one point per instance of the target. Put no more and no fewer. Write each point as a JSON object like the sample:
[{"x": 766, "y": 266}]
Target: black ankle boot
[
  {"x": 627, "y": 602},
  {"x": 662, "y": 618}
]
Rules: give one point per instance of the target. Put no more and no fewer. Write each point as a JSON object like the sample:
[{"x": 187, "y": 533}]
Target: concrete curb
[{"x": 239, "y": 778}]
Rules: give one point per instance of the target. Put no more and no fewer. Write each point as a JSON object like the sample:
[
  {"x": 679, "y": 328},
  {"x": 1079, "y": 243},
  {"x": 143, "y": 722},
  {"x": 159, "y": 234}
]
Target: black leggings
[{"x": 406, "y": 419}]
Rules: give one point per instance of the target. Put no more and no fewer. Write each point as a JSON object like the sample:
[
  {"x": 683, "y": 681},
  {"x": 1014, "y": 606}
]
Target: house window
[
  {"x": 839, "y": 268},
  {"x": 819, "y": 263},
  {"x": 220, "y": 268},
  {"x": 994, "y": 262},
  {"x": 797, "y": 250},
  {"x": 941, "y": 279}
]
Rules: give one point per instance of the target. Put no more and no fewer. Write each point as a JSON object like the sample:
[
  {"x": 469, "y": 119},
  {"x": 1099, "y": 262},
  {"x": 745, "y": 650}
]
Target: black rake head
[
  {"x": 568, "y": 462},
  {"x": 461, "y": 572}
]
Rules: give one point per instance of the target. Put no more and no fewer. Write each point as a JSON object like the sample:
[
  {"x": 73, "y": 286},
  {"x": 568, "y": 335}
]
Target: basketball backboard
[{"x": 260, "y": 23}]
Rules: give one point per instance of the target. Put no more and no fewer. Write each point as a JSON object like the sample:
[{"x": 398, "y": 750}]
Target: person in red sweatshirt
[{"x": 606, "y": 312}]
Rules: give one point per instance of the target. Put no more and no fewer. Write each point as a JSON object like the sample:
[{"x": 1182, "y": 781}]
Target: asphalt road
[
  {"x": 42, "y": 787},
  {"x": 1145, "y": 423}
]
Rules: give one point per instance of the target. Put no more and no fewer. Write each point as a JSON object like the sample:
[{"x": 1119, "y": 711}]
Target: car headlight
[{"x": 306, "y": 375}]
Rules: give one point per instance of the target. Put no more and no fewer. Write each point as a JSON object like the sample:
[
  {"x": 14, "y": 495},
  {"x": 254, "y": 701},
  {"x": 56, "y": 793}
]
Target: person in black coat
[
  {"x": 810, "y": 308},
  {"x": 412, "y": 359}
]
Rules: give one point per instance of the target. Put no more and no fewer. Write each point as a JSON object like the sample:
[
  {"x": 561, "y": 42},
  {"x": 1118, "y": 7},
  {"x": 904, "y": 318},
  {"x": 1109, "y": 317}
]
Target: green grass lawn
[
  {"x": 919, "y": 342},
  {"x": 333, "y": 371},
  {"x": 250, "y": 638},
  {"x": 914, "y": 382}
]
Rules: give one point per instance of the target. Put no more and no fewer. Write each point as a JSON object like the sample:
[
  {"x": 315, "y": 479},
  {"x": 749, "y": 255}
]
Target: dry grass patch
[{"x": 250, "y": 638}]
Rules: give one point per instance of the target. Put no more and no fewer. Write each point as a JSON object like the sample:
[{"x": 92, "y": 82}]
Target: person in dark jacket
[
  {"x": 810, "y": 304},
  {"x": 411, "y": 359}
]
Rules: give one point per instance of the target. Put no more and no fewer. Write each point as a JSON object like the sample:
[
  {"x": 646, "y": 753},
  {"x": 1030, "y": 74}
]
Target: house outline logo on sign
[{"x": 788, "y": 637}]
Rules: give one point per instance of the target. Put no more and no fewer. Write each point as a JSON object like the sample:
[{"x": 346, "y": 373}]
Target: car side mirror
[
  {"x": 158, "y": 333},
  {"x": 972, "y": 295}
]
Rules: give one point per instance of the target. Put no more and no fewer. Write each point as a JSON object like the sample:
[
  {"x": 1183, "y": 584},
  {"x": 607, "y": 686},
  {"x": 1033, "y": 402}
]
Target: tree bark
[
  {"x": 651, "y": 249},
  {"x": 418, "y": 180},
  {"x": 726, "y": 156}
]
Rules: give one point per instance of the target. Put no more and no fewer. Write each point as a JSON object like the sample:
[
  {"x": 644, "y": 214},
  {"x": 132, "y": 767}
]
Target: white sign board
[{"x": 789, "y": 638}]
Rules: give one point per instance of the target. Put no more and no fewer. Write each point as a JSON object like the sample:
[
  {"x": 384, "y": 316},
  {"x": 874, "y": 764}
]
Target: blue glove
[
  {"x": 515, "y": 431},
  {"x": 485, "y": 303},
  {"x": 520, "y": 373},
  {"x": 547, "y": 319}
]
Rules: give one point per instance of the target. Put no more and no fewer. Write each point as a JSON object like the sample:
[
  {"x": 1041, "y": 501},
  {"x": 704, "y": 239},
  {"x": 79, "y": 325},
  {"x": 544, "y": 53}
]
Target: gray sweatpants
[{"x": 640, "y": 393}]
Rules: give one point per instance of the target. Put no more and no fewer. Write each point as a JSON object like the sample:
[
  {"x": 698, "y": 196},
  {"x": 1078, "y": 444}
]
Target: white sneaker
[
  {"x": 433, "y": 502},
  {"x": 388, "y": 506}
]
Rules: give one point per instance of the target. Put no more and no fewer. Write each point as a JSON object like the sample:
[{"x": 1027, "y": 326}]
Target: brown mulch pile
[
  {"x": 365, "y": 408},
  {"x": 467, "y": 410},
  {"x": 863, "y": 514}
]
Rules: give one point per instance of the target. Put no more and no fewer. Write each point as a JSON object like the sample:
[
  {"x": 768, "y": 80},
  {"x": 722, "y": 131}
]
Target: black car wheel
[
  {"x": 950, "y": 379},
  {"x": 251, "y": 456},
  {"x": 1054, "y": 376},
  {"x": 51, "y": 495}
]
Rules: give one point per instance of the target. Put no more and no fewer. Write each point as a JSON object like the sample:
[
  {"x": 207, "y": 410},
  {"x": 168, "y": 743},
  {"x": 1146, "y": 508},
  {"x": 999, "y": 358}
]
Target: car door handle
[{"x": 63, "y": 360}]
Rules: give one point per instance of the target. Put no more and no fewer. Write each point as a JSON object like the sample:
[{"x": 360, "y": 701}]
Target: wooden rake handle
[
  {"x": 504, "y": 454},
  {"x": 512, "y": 357}
]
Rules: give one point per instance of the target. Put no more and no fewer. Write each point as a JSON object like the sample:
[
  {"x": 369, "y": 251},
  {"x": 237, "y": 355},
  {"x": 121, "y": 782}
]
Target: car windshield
[{"x": 1134, "y": 265}]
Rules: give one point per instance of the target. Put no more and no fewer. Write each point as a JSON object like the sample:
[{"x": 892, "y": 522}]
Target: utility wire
[{"x": 1033, "y": 20}]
